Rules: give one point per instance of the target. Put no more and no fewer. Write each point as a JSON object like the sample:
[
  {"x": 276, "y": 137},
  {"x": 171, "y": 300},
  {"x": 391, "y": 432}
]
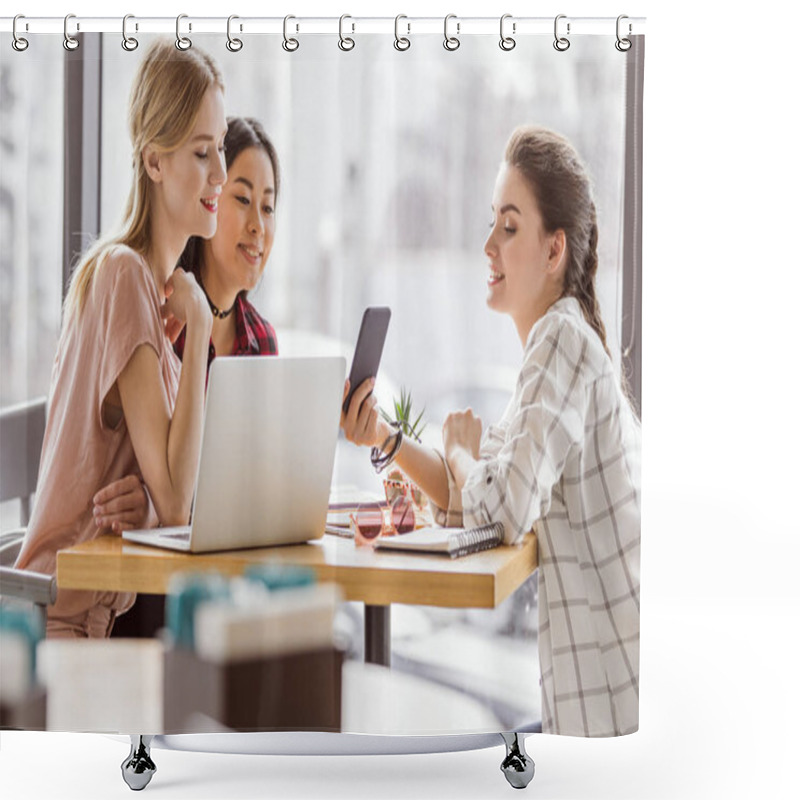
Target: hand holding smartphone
[{"x": 369, "y": 348}]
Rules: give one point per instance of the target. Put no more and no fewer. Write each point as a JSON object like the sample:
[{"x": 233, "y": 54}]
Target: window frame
[
  {"x": 83, "y": 80},
  {"x": 631, "y": 314}
]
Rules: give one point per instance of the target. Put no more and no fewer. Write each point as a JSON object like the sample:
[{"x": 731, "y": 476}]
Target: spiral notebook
[{"x": 454, "y": 542}]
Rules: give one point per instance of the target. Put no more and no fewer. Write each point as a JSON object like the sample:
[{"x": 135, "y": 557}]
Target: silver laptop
[{"x": 266, "y": 459}]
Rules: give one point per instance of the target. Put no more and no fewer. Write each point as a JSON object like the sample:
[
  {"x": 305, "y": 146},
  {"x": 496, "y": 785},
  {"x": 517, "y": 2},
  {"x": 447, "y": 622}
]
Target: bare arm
[
  {"x": 424, "y": 466},
  {"x": 167, "y": 445},
  {"x": 362, "y": 425}
]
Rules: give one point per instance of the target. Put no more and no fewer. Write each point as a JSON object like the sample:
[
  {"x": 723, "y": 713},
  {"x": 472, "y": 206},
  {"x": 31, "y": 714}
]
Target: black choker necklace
[{"x": 214, "y": 310}]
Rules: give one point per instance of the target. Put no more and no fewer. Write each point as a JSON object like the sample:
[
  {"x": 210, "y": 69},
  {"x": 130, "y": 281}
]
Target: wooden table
[{"x": 375, "y": 578}]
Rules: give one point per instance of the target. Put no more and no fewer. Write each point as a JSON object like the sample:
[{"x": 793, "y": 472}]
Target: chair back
[{"x": 21, "y": 436}]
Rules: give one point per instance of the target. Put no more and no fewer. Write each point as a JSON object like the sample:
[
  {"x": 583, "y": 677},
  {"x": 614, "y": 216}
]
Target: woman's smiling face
[
  {"x": 192, "y": 176},
  {"x": 238, "y": 252},
  {"x": 519, "y": 250}
]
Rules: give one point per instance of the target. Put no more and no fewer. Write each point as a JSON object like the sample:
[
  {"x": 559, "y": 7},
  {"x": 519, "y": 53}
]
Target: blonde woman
[
  {"x": 565, "y": 456},
  {"x": 119, "y": 400},
  {"x": 227, "y": 267}
]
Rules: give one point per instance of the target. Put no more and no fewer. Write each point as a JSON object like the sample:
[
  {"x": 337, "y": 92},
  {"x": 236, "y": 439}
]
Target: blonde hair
[{"x": 164, "y": 105}]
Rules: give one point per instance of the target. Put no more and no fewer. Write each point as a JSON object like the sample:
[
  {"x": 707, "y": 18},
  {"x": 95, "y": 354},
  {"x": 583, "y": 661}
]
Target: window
[
  {"x": 31, "y": 205},
  {"x": 388, "y": 163}
]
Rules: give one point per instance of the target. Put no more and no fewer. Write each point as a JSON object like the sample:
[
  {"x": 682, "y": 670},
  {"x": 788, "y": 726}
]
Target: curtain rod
[{"x": 350, "y": 25}]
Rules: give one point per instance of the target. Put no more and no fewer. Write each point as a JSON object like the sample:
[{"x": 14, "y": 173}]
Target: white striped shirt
[{"x": 564, "y": 460}]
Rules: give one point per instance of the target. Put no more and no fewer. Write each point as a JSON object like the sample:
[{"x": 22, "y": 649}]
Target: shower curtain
[{"x": 388, "y": 159}]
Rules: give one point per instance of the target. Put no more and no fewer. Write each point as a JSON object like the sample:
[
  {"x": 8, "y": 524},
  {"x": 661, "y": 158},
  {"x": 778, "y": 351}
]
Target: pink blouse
[{"x": 80, "y": 453}]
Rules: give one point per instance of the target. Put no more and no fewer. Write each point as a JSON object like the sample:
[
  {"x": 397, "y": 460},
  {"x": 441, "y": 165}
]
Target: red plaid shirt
[{"x": 254, "y": 335}]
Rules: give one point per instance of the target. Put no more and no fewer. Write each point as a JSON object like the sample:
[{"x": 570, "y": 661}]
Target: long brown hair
[
  {"x": 164, "y": 104},
  {"x": 559, "y": 182},
  {"x": 243, "y": 133}
]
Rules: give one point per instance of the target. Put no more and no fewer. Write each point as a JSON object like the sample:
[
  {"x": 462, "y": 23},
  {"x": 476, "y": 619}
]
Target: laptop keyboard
[{"x": 166, "y": 533}]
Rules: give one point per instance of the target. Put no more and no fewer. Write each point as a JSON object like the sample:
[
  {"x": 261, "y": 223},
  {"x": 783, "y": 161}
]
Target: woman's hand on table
[{"x": 122, "y": 505}]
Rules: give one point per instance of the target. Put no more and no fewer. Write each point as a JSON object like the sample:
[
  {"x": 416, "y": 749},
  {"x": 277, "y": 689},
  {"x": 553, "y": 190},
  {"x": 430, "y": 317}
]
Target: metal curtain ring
[
  {"x": 70, "y": 42},
  {"x": 623, "y": 44},
  {"x": 506, "y": 42},
  {"x": 19, "y": 43},
  {"x": 561, "y": 43},
  {"x": 451, "y": 42},
  {"x": 289, "y": 44},
  {"x": 401, "y": 42},
  {"x": 181, "y": 42},
  {"x": 129, "y": 43},
  {"x": 233, "y": 44},
  {"x": 345, "y": 42}
]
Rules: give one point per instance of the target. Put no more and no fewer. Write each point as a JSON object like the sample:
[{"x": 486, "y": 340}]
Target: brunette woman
[{"x": 564, "y": 459}]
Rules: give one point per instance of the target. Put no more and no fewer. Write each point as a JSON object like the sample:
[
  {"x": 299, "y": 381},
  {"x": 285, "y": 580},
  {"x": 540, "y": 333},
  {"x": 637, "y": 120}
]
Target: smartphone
[{"x": 369, "y": 348}]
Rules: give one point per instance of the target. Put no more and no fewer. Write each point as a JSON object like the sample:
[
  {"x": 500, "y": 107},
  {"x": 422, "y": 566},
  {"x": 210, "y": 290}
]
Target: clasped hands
[
  {"x": 461, "y": 435},
  {"x": 122, "y": 505}
]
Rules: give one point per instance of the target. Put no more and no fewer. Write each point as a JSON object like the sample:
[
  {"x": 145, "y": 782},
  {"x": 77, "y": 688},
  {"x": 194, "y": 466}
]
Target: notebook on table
[
  {"x": 266, "y": 459},
  {"x": 454, "y": 542}
]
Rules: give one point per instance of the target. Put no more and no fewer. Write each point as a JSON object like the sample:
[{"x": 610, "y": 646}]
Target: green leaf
[{"x": 402, "y": 414}]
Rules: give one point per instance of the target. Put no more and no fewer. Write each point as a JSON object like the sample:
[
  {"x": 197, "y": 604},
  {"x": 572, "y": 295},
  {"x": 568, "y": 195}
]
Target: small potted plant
[
  {"x": 402, "y": 415},
  {"x": 396, "y": 482}
]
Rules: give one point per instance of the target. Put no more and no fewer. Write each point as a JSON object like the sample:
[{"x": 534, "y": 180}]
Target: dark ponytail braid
[
  {"x": 560, "y": 184},
  {"x": 582, "y": 288}
]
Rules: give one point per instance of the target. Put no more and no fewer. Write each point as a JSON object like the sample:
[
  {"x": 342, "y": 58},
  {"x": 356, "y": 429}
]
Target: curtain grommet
[
  {"x": 19, "y": 43},
  {"x": 346, "y": 43},
  {"x": 623, "y": 43},
  {"x": 451, "y": 43},
  {"x": 401, "y": 43},
  {"x": 561, "y": 43},
  {"x": 289, "y": 44},
  {"x": 233, "y": 44},
  {"x": 507, "y": 43},
  {"x": 70, "y": 42},
  {"x": 129, "y": 43},
  {"x": 182, "y": 42}
]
